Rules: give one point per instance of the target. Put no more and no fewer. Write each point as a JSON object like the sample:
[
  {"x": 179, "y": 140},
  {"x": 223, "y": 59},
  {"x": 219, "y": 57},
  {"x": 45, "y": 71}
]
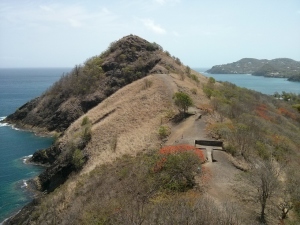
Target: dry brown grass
[{"x": 128, "y": 121}]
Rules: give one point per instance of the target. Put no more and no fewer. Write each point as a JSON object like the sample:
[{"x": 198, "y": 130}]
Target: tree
[
  {"x": 290, "y": 193},
  {"x": 183, "y": 101},
  {"x": 264, "y": 179}
]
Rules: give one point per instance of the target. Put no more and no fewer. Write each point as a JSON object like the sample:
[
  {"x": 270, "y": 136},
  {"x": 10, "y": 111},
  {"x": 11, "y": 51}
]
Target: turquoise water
[
  {"x": 17, "y": 86},
  {"x": 265, "y": 85}
]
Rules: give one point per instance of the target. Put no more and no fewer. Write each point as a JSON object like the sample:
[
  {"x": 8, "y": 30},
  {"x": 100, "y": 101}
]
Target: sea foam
[
  {"x": 3, "y": 124},
  {"x": 25, "y": 158},
  {"x": 24, "y": 184}
]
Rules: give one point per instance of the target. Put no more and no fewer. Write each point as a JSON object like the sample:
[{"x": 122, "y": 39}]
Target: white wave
[
  {"x": 25, "y": 158},
  {"x": 24, "y": 184},
  {"x": 2, "y": 118},
  {"x": 4, "y": 125},
  {"x": 13, "y": 127}
]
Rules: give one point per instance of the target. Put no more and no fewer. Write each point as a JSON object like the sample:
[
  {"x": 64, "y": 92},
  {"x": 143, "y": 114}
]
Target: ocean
[
  {"x": 265, "y": 85},
  {"x": 17, "y": 86}
]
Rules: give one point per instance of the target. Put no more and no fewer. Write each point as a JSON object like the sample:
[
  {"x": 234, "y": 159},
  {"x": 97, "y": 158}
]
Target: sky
[{"x": 201, "y": 33}]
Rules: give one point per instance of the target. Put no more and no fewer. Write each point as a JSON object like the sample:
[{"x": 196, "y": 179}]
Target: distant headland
[{"x": 281, "y": 67}]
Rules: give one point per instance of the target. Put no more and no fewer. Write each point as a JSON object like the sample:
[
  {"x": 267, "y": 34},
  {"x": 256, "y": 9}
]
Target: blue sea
[
  {"x": 265, "y": 85},
  {"x": 17, "y": 86}
]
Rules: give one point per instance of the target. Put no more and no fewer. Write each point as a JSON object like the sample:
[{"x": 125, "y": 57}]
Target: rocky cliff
[{"x": 281, "y": 67}]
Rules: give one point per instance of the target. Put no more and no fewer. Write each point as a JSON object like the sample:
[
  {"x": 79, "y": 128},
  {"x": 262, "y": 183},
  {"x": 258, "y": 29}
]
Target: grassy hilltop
[{"x": 125, "y": 124}]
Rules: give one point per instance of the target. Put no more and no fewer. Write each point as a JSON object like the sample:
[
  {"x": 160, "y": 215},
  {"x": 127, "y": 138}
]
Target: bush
[
  {"x": 230, "y": 149},
  {"x": 163, "y": 132},
  {"x": 176, "y": 171},
  {"x": 208, "y": 91},
  {"x": 195, "y": 78},
  {"x": 171, "y": 149},
  {"x": 211, "y": 80},
  {"x": 183, "y": 101},
  {"x": 78, "y": 159},
  {"x": 85, "y": 121}
]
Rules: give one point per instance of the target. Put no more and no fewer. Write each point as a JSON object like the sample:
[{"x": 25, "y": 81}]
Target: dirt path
[
  {"x": 187, "y": 131},
  {"x": 222, "y": 172}
]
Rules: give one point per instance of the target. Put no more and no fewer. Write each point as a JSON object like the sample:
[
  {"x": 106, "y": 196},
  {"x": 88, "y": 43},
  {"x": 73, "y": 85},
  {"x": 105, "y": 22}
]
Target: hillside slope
[
  {"x": 125, "y": 61},
  {"x": 107, "y": 167},
  {"x": 124, "y": 124},
  {"x": 282, "y": 67}
]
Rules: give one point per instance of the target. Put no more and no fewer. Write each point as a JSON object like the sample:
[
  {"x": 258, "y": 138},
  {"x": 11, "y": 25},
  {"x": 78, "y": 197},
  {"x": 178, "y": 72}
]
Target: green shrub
[
  {"x": 85, "y": 121},
  {"x": 178, "y": 171},
  {"x": 208, "y": 91},
  {"x": 195, "y": 78},
  {"x": 297, "y": 106},
  {"x": 78, "y": 159},
  {"x": 86, "y": 134},
  {"x": 211, "y": 80},
  {"x": 183, "y": 101},
  {"x": 230, "y": 149},
  {"x": 163, "y": 132}
]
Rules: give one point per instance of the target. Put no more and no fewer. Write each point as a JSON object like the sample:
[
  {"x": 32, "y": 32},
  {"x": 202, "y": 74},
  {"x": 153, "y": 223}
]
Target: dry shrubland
[{"x": 118, "y": 175}]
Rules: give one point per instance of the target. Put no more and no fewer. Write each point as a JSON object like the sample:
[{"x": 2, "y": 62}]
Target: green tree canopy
[{"x": 183, "y": 101}]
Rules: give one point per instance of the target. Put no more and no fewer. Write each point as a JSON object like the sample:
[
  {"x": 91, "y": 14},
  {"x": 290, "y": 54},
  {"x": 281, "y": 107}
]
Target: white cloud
[
  {"x": 156, "y": 28},
  {"x": 53, "y": 15}
]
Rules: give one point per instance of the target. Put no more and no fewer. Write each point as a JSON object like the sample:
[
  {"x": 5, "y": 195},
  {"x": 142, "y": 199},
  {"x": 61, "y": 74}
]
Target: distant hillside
[{"x": 282, "y": 67}]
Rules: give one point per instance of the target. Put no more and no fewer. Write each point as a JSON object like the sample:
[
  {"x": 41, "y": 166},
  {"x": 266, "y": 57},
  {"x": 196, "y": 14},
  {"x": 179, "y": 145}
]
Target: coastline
[
  {"x": 41, "y": 132},
  {"x": 31, "y": 189},
  {"x": 29, "y": 186}
]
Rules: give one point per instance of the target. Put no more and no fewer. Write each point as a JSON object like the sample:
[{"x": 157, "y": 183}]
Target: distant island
[{"x": 281, "y": 67}]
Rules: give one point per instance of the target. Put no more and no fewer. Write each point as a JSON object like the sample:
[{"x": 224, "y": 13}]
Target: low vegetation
[
  {"x": 110, "y": 166},
  {"x": 263, "y": 132},
  {"x": 153, "y": 188}
]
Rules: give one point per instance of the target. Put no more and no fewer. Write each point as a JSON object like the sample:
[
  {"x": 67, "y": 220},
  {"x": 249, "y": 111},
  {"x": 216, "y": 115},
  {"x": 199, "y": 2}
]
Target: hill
[
  {"x": 125, "y": 61},
  {"x": 282, "y": 67},
  {"x": 131, "y": 158}
]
